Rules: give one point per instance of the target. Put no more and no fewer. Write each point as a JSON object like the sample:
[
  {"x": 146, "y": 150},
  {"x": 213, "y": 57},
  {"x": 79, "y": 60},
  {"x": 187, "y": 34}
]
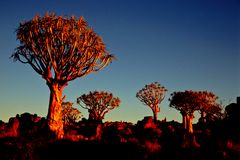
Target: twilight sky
[{"x": 187, "y": 44}]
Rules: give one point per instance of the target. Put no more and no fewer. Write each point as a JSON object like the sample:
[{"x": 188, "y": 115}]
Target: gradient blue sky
[{"x": 182, "y": 44}]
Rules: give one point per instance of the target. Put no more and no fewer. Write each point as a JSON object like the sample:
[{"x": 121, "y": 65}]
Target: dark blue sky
[{"x": 181, "y": 44}]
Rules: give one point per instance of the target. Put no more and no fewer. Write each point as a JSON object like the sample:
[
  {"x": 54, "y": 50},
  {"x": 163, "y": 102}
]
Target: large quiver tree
[
  {"x": 98, "y": 104},
  {"x": 60, "y": 49},
  {"x": 152, "y": 95}
]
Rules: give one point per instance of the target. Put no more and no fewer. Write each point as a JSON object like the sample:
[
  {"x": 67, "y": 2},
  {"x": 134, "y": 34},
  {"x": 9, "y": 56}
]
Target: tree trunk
[
  {"x": 184, "y": 120},
  {"x": 54, "y": 117},
  {"x": 190, "y": 134},
  {"x": 155, "y": 111},
  {"x": 155, "y": 116},
  {"x": 189, "y": 123}
]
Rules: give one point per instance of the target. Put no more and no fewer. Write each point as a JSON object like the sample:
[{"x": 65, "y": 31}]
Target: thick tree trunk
[
  {"x": 54, "y": 117},
  {"x": 155, "y": 111},
  {"x": 184, "y": 120},
  {"x": 155, "y": 116},
  {"x": 185, "y": 130},
  {"x": 189, "y": 123},
  {"x": 191, "y": 137}
]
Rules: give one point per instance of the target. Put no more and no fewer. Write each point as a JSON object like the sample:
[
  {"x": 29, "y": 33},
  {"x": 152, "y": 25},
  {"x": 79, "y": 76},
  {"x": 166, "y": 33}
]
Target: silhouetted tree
[
  {"x": 209, "y": 109},
  {"x": 152, "y": 95},
  {"x": 70, "y": 115},
  {"x": 189, "y": 101},
  {"x": 233, "y": 112},
  {"x": 60, "y": 49},
  {"x": 186, "y": 102},
  {"x": 215, "y": 113},
  {"x": 98, "y": 103}
]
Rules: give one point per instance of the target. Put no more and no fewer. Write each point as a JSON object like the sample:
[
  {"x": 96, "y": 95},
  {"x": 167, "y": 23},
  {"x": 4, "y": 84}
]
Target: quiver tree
[
  {"x": 60, "y": 49},
  {"x": 70, "y": 115},
  {"x": 98, "y": 103},
  {"x": 152, "y": 95},
  {"x": 215, "y": 113},
  {"x": 209, "y": 108},
  {"x": 186, "y": 102}
]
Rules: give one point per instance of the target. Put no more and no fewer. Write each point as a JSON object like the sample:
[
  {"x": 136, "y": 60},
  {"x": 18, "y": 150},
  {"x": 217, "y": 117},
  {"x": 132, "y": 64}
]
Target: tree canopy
[
  {"x": 152, "y": 94},
  {"x": 190, "y": 101},
  {"x": 60, "y": 48},
  {"x": 186, "y": 101},
  {"x": 70, "y": 115},
  {"x": 98, "y": 103}
]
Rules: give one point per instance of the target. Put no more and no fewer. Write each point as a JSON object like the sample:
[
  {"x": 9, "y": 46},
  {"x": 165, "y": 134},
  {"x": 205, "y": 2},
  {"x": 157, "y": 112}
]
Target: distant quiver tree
[
  {"x": 70, "y": 115},
  {"x": 60, "y": 49},
  {"x": 210, "y": 109},
  {"x": 152, "y": 95},
  {"x": 98, "y": 104}
]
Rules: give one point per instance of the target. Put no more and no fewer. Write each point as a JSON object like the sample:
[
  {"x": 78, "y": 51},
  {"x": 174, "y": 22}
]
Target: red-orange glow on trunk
[{"x": 54, "y": 111}]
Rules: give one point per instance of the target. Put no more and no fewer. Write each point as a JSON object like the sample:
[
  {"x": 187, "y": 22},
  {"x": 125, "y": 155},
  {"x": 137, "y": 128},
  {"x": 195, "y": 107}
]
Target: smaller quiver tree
[
  {"x": 70, "y": 115},
  {"x": 210, "y": 109},
  {"x": 215, "y": 113},
  {"x": 98, "y": 104},
  {"x": 152, "y": 95}
]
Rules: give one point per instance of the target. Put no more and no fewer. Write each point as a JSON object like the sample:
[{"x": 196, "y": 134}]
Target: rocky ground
[{"x": 25, "y": 137}]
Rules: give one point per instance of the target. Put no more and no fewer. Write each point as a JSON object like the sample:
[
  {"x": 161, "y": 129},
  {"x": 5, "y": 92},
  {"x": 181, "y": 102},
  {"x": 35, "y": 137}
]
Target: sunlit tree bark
[
  {"x": 98, "y": 104},
  {"x": 184, "y": 120},
  {"x": 54, "y": 110},
  {"x": 189, "y": 118},
  {"x": 60, "y": 49},
  {"x": 152, "y": 95}
]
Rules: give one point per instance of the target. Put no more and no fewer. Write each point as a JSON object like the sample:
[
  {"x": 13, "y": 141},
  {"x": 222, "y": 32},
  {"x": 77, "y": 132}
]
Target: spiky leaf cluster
[{"x": 152, "y": 94}]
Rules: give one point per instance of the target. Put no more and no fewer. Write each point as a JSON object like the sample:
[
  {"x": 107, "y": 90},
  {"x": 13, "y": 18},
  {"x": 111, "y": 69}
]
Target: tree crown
[
  {"x": 70, "y": 114},
  {"x": 152, "y": 94},
  {"x": 190, "y": 101},
  {"x": 98, "y": 103},
  {"x": 60, "y": 48}
]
